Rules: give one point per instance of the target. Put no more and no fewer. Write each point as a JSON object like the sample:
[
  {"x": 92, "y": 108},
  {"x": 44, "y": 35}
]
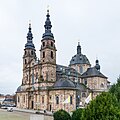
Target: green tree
[
  {"x": 104, "y": 107},
  {"x": 61, "y": 115},
  {"x": 77, "y": 114},
  {"x": 115, "y": 89}
]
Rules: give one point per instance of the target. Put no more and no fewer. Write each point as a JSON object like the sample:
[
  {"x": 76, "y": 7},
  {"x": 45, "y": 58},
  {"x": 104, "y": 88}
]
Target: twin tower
[{"x": 45, "y": 68}]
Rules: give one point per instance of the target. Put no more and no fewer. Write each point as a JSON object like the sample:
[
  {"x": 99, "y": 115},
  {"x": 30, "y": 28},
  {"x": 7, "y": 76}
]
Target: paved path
[
  {"x": 4, "y": 115},
  {"x": 48, "y": 113},
  {"x": 23, "y": 114}
]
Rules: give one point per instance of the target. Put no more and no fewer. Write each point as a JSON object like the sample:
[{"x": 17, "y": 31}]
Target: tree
[
  {"x": 77, "y": 114},
  {"x": 115, "y": 90},
  {"x": 61, "y": 115},
  {"x": 104, "y": 107}
]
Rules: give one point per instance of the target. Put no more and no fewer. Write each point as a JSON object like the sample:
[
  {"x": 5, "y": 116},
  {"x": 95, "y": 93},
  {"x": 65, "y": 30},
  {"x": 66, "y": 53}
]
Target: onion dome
[
  {"x": 97, "y": 66},
  {"x": 29, "y": 43},
  {"x": 48, "y": 26}
]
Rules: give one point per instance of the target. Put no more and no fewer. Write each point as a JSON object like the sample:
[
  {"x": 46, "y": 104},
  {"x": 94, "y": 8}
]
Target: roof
[
  {"x": 64, "y": 70},
  {"x": 79, "y": 58},
  {"x": 64, "y": 83},
  {"x": 92, "y": 72}
]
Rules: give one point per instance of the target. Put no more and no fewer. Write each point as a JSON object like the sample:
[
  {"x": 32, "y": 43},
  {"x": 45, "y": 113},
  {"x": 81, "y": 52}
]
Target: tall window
[
  {"x": 25, "y": 52},
  {"x": 18, "y": 99},
  {"x": 31, "y": 52},
  {"x": 24, "y": 98},
  {"x": 81, "y": 69},
  {"x": 70, "y": 99},
  {"x": 42, "y": 99},
  {"x": 25, "y": 61},
  {"x": 37, "y": 75},
  {"x": 43, "y": 54},
  {"x": 52, "y": 44},
  {"x": 57, "y": 100},
  {"x": 52, "y": 54},
  {"x": 85, "y": 81},
  {"x": 43, "y": 44}
]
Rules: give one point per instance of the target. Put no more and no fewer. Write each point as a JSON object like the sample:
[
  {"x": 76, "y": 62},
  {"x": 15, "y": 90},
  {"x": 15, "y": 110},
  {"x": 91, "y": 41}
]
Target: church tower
[
  {"x": 48, "y": 52},
  {"x": 29, "y": 58}
]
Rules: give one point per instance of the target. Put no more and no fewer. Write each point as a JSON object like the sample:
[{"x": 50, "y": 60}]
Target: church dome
[
  {"x": 64, "y": 83},
  {"x": 19, "y": 89},
  {"x": 79, "y": 58}
]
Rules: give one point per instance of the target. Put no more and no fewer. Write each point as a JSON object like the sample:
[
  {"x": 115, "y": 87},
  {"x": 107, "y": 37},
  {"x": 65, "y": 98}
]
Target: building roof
[
  {"x": 79, "y": 58},
  {"x": 92, "y": 72},
  {"x": 64, "y": 83},
  {"x": 68, "y": 71}
]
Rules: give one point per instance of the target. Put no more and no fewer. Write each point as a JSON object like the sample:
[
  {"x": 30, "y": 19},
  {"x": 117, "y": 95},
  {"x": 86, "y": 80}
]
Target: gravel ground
[{"x": 4, "y": 115}]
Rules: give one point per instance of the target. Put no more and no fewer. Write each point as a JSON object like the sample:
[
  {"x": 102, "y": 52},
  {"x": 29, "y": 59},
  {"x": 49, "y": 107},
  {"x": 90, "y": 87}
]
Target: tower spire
[
  {"x": 78, "y": 48},
  {"x": 29, "y": 43},
  {"x": 48, "y": 26}
]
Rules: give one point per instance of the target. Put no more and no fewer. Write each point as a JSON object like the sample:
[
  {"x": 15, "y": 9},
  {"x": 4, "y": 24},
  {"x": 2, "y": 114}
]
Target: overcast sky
[{"x": 96, "y": 23}]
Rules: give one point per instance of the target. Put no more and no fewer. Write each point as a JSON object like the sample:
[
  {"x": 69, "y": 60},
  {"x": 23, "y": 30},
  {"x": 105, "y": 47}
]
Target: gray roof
[
  {"x": 68, "y": 71},
  {"x": 92, "y": 72},
  {"x": 19, "y": 89},
  {"x": 81, "y": 86},
  {"x": 79, "y": 58},
  {"x": 64, "y": 83}
]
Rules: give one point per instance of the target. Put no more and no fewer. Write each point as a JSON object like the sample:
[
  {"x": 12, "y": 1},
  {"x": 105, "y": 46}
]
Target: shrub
[
  {"x": 77, "y": 114},
  {"x": 61, "y": 115}
]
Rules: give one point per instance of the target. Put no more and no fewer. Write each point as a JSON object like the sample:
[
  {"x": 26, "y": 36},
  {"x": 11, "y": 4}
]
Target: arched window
[
  {"x": 43, "y": 44},
  {"x": 57, "y": 100},
  {"x": 70, "y": 99},
  {"x": 85, "y": 81},
  {"x": 18, "y": 99},
  {"x": 24, "y": 98},
  {"x": 43, "y": 54},
  {"x": 42, "y": 99},
  {"x": 37, "y": 75},
  {"x": 31, "y": 52},
  {"x": 52, "y": 54},
  {"x": 52, "y": 44},
  {"x": 25, "y": 61},
  {"x": 25, "y": 52},
  {"x": 81, "y": 69}
]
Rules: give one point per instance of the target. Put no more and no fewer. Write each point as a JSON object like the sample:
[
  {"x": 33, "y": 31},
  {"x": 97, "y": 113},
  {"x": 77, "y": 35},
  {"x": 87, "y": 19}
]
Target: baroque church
[{"x": 49, "y": 86}]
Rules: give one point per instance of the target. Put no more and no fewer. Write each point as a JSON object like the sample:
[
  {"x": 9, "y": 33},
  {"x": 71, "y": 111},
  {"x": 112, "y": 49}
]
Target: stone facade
[{"x": 48, "y": 86}]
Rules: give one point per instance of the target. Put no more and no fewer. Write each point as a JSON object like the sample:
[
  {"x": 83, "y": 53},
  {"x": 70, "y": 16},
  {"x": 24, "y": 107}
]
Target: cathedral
[{"x": 47, "y": 85}]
